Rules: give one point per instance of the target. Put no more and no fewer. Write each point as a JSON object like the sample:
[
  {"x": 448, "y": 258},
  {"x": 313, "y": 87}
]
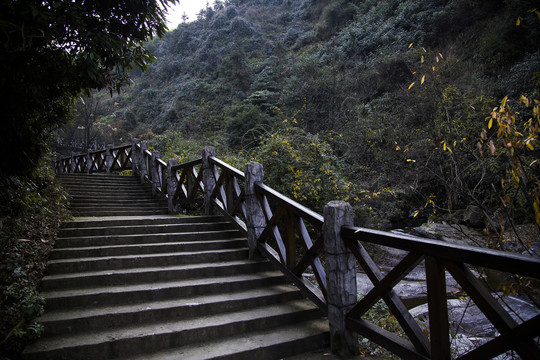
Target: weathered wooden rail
[{"x": 320, "y": 254}]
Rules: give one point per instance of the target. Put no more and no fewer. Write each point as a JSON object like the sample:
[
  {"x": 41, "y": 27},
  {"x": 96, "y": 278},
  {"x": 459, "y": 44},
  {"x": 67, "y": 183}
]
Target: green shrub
[{"x": 31, "y": 210}]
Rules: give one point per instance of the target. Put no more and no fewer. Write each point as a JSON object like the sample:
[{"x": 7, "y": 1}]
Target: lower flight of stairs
[
  {"x": 109, "y": 194},
  {"x": 168, "y": 287}
]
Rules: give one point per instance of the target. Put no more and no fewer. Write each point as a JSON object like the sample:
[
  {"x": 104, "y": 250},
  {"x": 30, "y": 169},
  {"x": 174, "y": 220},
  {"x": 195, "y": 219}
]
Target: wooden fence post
[
  {"x": 156, "y": 181},
  {"x": 88, "y": 162},
  {"x": 142, "y": 162},
  {"x": 109, "y": 160},
  {"x": 208, "y": 177},
  {"x": 172, "y": 184},
  {"x": 255, "y": 219},
  {"x": 134, "y": 156},
  {"x": 341, "y": 278},
  {"x": 72, "y": 163}
]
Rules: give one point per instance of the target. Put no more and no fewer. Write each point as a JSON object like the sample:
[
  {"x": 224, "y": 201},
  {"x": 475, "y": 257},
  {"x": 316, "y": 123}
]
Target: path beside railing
[{"x": 320, "y": 254}]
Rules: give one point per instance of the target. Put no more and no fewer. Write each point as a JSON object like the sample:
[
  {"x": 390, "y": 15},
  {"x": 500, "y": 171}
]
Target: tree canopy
[{"x": 52, "y": 51}]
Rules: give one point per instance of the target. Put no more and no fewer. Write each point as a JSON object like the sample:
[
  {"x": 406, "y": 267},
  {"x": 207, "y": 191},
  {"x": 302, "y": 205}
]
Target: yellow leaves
[
  {"x": 410, "y": 45},
  {"x": 422, "y": 59},
  {"x": 410, "y": 86},
  {"x": 537, "y": 210},
  {"x": 518, "y": 21},
  {"x": 524, "y": 100},
  {"x": 416, "y": 213},
  {"x": 515, "y": 177},
  {"x": 423, "y": 79},
  {"x": 447, "y": 147},
  {"x": 411, "y": 160},
  {"x": 503, "y": 103},
  {"x": 490, "y": 124},
  {"x": 535, "y": 10}
]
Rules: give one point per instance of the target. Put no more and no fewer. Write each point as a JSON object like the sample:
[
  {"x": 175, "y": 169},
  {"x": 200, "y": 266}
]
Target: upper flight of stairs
[
  {"x": 110, "y": 194},
  {"x": 168, "y": 287}
]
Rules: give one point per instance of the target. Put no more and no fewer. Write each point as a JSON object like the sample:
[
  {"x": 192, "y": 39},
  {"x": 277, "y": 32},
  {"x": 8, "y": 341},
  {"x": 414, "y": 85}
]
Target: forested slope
[{"x": 381, "y": 103}]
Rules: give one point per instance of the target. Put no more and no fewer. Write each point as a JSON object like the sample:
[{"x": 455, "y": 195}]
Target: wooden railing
[
  {"x": 106, "y": 160},
  {"x": 439, "y": 257},
  {"x": 292, "y": 249},
  {"x": 320, "y": 254}
]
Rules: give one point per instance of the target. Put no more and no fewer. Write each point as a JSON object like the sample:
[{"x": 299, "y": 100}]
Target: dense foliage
[
  {"x": 31, "y": 210},
  {"x": 53, "y": 50},
  {"x": 394, "y": 94}
]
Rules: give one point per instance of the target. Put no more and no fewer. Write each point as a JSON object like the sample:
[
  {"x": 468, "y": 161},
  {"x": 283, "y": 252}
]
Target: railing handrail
[
  {"x": 298, "y": 209},
  {"x": 231, "y": 169},
  {"x": 478, "y": 256}
]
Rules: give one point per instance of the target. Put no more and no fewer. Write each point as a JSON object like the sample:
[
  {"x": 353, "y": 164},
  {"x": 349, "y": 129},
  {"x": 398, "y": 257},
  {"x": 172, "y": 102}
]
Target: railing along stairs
[{"x": 321, "y": 254}]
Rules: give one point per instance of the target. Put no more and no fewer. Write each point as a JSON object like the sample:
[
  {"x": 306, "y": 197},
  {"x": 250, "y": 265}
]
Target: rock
[{"x": 474, "y": 217}]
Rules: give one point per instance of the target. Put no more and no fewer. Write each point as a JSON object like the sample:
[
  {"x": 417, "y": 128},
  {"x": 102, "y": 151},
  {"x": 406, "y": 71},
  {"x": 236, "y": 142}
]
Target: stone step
[
  {"x": 139, "y": 293},
  {"x": 78, "y": 178},
  {"x": 104, "y": 240},
  {"x": 134, "y": 340},
  {"x": 114, "y": 207},
  {"x": 107, "y": 188},
  {"x": 287, "y": 341},
  {"x": 144, "y": 229},
  {"x": 79, "y": 320},
  {"x": 120, "y": 213},
  {"x": 139, "y": 220},
  {"x": 153, "y": 248},
  {"x": 110, "y": 194},
  {"x": 152, "y": 274},
  {"x": 103, "y": 201},
  {"x": 143, "y": 260}
]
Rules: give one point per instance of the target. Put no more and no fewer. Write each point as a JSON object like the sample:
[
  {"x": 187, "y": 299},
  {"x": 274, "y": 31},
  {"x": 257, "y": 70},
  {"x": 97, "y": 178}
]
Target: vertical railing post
[
  {"x": 438, "y": 310},
  {"x": 172, "y": 184},
  {"x": 88, "y": 162},
  {"x": 134, "y": 156},
  {"x": 156, "y": 181},
  {"x": 255, "y": 219},
  {"x": 72, "y": 163},
  {"x": 208, "y": 177},
  {"x": 109, "y": 160},
  {"x": 341, "y": 277},
  {"x": 142, "y": 161}
]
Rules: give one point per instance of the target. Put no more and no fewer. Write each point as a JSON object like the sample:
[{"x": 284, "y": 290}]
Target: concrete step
[
  {"x": 153, "y": 248},
  {"x": 104, "y": 201},
  {"x": 113, "y": 208},
  {"x": 289, "y": 340},
  {"x": 133, "y": 229},
  {"x": 79, "y": 320},
  {"x": 156, "y": 274},
  {"x": 143, "y": 260},
  {"x": 120, "y": 213},
  {"x": 78, "y": 177},
  {"x": 140, "y": 293},
  {"x": 134, "y": 340},
  {"x": 139, "y": 220},
  {"x": 104, "y": 240},
  {"x": 107, "y": 188}
]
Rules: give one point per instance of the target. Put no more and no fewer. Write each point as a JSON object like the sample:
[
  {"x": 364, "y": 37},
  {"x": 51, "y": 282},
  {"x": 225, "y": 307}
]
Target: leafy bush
[
  {"x": 31, "y": 211},
  {"x": 302, "y": 166},
  {"x": 244, "y": 124}
]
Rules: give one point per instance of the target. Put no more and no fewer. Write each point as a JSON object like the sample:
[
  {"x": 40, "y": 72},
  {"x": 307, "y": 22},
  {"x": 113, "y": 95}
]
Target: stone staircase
[
  {"x": 110, "y": 194},
  {"x": 167, "y": 287}
]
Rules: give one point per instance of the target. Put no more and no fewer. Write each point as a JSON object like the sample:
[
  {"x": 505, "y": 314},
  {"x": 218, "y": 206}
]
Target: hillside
[{"x": 381, "y": 103}]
